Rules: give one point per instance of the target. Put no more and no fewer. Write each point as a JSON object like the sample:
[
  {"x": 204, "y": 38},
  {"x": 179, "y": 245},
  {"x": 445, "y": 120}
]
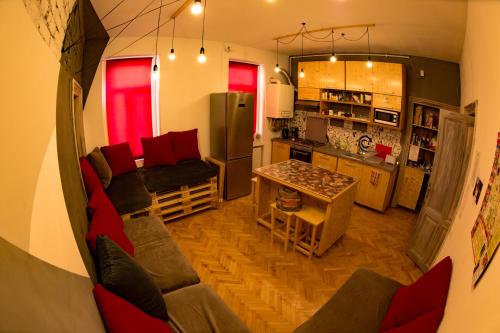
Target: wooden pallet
[{"x": 186, "y": 200}]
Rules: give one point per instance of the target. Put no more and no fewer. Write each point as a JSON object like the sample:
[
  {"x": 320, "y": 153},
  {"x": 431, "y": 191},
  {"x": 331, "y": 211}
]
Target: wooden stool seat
[
  {"x": 287, "y": 218},
  {"x": 314, "y": 217}
]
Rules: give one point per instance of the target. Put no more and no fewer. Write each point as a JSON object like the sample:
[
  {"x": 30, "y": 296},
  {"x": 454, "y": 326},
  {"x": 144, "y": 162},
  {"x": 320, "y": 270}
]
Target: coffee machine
[
  {"x": 285, "y": 133},
  {"x": 294, "y": 133}
]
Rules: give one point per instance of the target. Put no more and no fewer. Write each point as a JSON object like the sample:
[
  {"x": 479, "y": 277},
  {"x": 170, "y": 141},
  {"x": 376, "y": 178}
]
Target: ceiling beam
[
  {"x": 341, "y": 27},
  {"x": 181, "y": 8}
]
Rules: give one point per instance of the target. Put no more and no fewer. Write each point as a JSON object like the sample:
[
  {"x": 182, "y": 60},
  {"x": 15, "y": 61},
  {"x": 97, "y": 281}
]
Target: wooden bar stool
[
  {"x": 282, "y": 231},
  {"x": 254, "y": 194},
  {"x": 314, "y": 217}
]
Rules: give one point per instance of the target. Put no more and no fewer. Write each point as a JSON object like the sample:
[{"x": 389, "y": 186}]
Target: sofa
[{"x": 173, "y": 182}]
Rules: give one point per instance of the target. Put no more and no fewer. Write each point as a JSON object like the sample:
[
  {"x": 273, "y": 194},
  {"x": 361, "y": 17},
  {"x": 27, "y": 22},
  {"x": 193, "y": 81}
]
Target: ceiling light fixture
[
  {"x": 171, "y": 56},
  {"x": 202, "y": 58},
  {"x": 277, "y": 68},
  {"x": 369, "y": 62},
  {"x": 196, "y": 7},
  {"x": 302, "y": 74},
  {"x": 333, "y": 58},
  {"x": 156, "y": 70}
]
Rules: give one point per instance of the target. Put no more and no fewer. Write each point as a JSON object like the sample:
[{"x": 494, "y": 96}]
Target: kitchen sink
[{"x": 352, "y": 155}]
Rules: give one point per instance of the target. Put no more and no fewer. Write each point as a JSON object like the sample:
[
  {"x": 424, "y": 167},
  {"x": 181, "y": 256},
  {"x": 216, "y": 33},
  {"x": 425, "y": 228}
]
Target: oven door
[{"x": 300, "y": 155}]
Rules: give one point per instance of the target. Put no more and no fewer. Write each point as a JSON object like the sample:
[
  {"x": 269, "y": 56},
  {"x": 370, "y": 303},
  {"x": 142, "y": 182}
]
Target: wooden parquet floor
[{"x": 275, "y": 291}]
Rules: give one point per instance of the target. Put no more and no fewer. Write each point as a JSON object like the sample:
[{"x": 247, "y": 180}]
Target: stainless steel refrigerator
[{"x": 231, "y": 139}]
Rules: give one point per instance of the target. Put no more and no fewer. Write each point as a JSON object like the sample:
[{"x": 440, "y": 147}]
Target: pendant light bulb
[
  {"x": 171, "y": 56},
  {"x": 277, "y": 68},
  {"x": 202, "y": 58},
  {"x": 333, "y": 58},
  {"x": 369, "y": 63},
  {"x": 156, "y": 72},
  {"x": 197, "y": 7},
  {"x": 302, "y": 74}
]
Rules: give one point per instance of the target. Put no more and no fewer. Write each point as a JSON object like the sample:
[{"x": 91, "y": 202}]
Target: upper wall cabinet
[
  {"x": 358, "y": 76},
  {"x": 312, "y": 74},
  {"x": 332, "y": 75},
  {"x": 388, "y": 78}
]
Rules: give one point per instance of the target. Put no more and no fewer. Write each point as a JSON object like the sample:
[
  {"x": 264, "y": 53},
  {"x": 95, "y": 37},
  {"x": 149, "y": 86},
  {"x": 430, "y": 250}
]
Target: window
[
  {"x": 244, "y": 77},
  {"x": 129, "y": 101}
]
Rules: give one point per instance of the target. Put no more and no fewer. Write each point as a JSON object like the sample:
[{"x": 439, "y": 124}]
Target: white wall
[
  {"x": 32, "y": 210},
  {"x": 185, "y": 86},
  {"x": 472, "y": 309}
]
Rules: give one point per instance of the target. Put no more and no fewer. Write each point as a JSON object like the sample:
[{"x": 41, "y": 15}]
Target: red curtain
[
  {"x": 128, "y": 101},
  {"x": 244, "y": 78}
]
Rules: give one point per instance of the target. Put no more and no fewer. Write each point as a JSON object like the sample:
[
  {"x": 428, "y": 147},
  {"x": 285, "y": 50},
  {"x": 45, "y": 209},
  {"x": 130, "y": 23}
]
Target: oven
[
  {"x": 386, "y": 117},
  {"x": 301, "y": 153}
]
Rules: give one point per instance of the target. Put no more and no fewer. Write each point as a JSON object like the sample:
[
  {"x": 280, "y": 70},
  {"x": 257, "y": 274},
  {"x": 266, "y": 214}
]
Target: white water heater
[{"x": 279, "y": 100}]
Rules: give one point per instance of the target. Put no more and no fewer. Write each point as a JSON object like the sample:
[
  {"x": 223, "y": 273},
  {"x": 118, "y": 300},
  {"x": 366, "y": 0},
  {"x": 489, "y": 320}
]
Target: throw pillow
[
  {"x": 427, "y": 295},
  {"x": 122, "y": 275},
  {"x": 158, "y": 151},
  {"x": 119, "y": 158},
  {"x": 100, "y": 200},
  {"x": 104, "y": 223},
  {"x": 90, "y": 179},
  {"x": 185, "y": 145},
  {"x": 426, "y": 323},
  {"x": 101, "y": 166},
  {"x": 122, "y": 317}
]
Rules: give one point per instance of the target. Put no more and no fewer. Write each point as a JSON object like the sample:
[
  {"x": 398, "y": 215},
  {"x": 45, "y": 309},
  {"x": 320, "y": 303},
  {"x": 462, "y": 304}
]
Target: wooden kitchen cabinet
[
  {"x": 312, "y": 74},
  {"x": 325, "y": 161},
  {"x": 332, "y": 75},
  {"x": 308, "y": 94},
  {"x": 410, "y": 187},
  {"x": 358, "y": 77},
  {"x": 280, "y": 152},
  {"x": 388, "y": 78},
  {"x": 374, "y": 193},
  {"x": 388, "y": 102},
  {"x": 375, "y": 188}
]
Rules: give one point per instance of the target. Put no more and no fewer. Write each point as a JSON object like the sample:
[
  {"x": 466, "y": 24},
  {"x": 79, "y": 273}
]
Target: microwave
[{"x": 386, "y": 117}]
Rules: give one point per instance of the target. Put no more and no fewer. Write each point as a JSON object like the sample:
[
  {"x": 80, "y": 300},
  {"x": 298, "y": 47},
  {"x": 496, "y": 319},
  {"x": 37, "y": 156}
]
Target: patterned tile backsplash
[{"x": 347, "y": 138}]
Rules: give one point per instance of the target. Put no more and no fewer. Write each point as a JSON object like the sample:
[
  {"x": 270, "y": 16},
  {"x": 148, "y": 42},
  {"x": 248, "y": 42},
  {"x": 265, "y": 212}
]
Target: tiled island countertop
[{"x": 304, "y": 177}]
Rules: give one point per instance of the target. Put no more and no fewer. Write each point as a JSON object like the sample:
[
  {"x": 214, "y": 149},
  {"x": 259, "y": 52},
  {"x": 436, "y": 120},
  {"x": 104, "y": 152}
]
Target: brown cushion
[
  {"x": 157, "y": 253},
  {"x": 198, "y": 309},
  {"x": 101, "y": 166},
  {"x": 359, "y": 306}
]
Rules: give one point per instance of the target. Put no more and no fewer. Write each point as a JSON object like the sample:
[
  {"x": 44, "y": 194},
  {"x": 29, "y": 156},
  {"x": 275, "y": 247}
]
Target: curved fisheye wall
[{"x": 39, "y": 174}]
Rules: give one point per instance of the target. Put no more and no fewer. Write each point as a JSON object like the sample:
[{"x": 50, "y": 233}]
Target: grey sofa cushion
[
  {"x": 171, "y": 177},
  {"x": 359, "y": 306},
  {"x": 198, "y": 309},
  {"x": 38, "y": 297},
  {"x": 101, "y": 166},
  {"x": 128, "y": 193},
  {"x": 158, "y": 254}
]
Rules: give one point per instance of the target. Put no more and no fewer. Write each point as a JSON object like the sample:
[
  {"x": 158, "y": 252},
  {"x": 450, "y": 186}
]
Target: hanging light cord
[
  {"x": 277, "y": 52},
  {"x": 368, "y": 32},
  {"x": 158, "y": 31},
  {"x": 127, "y": 25},
  {"x": 173, "y": 35},
  {"x": 203, "y": 28},
  {"x": 333, "y": 43},
  {"x": 112, "y": 9}
]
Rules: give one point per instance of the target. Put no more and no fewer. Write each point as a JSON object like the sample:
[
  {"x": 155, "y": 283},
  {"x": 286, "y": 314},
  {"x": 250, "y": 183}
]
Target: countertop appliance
[
  {"x": 386, "y": 117},
  {"x": 294, "y": 132},
  {"x": 231, "y": 139},
  {"x": 285, "y": 133}
]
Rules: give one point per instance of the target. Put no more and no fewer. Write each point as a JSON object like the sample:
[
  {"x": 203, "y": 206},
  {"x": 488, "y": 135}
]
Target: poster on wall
[{"x": 486, "y": 231}]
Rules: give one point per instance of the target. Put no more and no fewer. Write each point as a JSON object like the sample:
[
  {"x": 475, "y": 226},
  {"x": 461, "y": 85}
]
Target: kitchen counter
[{"x": 331, "y": 150}]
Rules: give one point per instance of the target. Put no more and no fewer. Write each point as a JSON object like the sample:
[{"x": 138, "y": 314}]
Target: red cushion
[
  {"x": 122, "y": 317},
  {"x": 158, "y": 151},
  {"x": 427, "y": 295},
  {"x": 119, "y": 158},
  {"x": 185, "y": 145},
  {"x": 90, "y": 178},
  {"x": 427, "y": 323},
  {"x": 104, "y": 223},
  {"x": 100, "y": 200}
]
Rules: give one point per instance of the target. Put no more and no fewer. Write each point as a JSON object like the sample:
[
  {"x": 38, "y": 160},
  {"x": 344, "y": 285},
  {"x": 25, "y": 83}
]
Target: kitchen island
[{"x": 332, "y": 192}]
